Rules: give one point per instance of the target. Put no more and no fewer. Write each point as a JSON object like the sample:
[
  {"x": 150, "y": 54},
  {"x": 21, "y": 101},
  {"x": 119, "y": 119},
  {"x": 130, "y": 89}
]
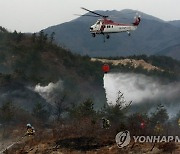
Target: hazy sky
[{"x": 34, "y": 15}]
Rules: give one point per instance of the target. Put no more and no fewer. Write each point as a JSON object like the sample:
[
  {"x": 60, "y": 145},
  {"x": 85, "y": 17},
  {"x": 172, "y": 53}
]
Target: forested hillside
[
  {"x": 32, "y": 61},
  {"x": 28, "y": 60}
]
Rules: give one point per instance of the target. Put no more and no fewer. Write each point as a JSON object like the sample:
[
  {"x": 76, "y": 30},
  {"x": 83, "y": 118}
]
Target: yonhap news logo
[{"x": 123, "y": 139}]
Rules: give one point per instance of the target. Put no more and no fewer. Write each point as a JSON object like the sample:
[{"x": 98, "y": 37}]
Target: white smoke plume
[
  {"x": 50, "y": 92},
  {"x": 138, "y": 87}
]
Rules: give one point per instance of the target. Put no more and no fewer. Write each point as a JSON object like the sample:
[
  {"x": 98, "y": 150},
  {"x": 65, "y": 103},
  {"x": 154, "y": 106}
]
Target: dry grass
[{"x": 79, "y": 138}]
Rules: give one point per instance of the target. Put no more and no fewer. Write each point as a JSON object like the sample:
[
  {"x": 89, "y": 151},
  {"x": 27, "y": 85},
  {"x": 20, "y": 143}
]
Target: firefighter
[
  {"x": 158, "y": 128},
  {"x": 30, "y": 130},
  {"x": 179, "y": 122},
  {"x": 105, "y": 123}
]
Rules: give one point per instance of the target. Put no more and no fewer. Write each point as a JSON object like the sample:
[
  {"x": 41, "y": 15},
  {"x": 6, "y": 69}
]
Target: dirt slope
[{"x": 132, "y": 62}]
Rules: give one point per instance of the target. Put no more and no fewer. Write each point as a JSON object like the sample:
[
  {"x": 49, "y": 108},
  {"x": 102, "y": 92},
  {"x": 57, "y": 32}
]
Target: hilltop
[{"x": 134, "y": 63}]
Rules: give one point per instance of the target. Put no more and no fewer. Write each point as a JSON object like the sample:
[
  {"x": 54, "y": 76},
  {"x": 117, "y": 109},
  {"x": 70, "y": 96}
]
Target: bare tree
[
  {"x": 52, "y": 37},
  {"x": 60, "y": 107},
  {"x": 121, "y": 102}
]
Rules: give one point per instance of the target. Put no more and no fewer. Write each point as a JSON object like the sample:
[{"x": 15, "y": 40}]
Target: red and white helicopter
[{"x": 106, "y": 26}]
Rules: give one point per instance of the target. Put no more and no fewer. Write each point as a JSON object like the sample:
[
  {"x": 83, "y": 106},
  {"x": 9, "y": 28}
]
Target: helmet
[{"x": 28, "y": 125}]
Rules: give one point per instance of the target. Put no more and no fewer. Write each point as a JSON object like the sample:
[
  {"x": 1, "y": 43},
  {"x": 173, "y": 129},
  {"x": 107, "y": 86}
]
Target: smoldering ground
[{"x": 145, "y": 92}]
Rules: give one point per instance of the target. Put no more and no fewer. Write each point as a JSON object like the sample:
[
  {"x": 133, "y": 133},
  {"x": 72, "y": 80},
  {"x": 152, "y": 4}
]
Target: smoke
[
  {"x": 20, "y": 95},
  {"x": 141, "y": 89},
  {"x": 51, "y": 92}
]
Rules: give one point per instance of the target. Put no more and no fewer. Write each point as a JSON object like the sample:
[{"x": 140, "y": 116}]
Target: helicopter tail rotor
[{"x": 137, "y": 19}]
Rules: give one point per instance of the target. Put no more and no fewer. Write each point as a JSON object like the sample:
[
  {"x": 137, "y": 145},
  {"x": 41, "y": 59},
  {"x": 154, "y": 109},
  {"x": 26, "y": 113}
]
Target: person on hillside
[
  {"x": 30, "y": 130},
  {"x": 179, "y": 122},
  {"x": 105, "y": 123},
  {"x": 158, "y": 128}
]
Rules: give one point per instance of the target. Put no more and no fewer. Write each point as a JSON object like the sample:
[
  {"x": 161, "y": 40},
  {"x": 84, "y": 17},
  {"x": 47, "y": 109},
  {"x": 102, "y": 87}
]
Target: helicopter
[{"x": 106, "y": 26}]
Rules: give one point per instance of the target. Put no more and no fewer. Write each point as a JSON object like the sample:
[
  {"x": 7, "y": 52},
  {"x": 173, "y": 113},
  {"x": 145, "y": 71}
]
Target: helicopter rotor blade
[
  {"x": 94, "y": 12},
  {"x": 86, "y": 15}
]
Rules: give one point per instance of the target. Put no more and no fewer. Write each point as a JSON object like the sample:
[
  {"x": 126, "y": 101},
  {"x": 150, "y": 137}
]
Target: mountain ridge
[
  {"x": 175, "y": 23},
  {"x": 152, "y": 36}
]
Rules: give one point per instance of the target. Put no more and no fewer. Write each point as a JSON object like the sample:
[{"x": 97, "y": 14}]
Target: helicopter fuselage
[{"x": 106, "y": 26}]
